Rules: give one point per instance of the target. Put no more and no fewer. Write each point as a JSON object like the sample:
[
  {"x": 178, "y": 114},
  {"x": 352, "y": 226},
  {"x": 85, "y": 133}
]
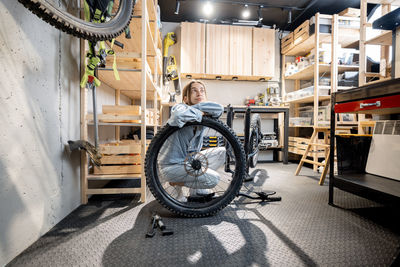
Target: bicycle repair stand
[{"x": 263, "y": 196}]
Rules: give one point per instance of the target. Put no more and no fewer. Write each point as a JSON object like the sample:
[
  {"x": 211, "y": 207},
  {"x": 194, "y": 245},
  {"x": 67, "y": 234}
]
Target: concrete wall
[
  {"x": 230, "y": 92},
  {"x": 39, "y": 113}
]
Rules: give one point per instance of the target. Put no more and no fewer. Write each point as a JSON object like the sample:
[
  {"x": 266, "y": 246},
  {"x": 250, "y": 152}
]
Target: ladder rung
[
  {"x": 313, "y": 162},
  {"x": 319, "y": 144}
]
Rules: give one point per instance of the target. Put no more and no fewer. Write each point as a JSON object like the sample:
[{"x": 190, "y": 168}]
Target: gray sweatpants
[{"x": 209, "y": 179}]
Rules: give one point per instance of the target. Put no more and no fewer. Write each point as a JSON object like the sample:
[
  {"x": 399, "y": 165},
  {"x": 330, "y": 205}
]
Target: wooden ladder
[{"x": 314, "y": 143}]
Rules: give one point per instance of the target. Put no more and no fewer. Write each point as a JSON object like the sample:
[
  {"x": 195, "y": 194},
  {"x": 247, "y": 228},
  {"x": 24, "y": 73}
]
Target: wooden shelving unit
[
  {"x": 139, "y": 67},
  {"x": 346, "y": 37},
  {"x": 384, "y": 39}
]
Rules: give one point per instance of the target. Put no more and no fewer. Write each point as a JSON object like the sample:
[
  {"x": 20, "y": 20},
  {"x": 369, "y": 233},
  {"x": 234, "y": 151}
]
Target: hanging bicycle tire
[
  {"x": 174, "y": 175},
  {"x": 254, "y": 139},
  {"x": 68, "y": 19}
]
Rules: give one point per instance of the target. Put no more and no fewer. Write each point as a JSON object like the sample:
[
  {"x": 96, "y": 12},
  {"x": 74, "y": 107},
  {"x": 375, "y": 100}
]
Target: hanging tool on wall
[{"x": 170, "y": 70}]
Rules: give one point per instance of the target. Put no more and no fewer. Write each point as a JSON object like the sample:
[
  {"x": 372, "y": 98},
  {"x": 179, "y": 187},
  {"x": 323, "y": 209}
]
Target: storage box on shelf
[
  {"x": 298, "y": 145},
  {"x": 301, "y": 33},
  {"x": 120, "y": 158},
  {"x": 287, "y": 42},
  {"x": 139, "y": 68}
]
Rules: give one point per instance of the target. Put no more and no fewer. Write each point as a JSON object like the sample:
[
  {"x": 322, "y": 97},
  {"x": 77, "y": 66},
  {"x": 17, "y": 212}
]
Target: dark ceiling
[{"x": 275, "y": 11}]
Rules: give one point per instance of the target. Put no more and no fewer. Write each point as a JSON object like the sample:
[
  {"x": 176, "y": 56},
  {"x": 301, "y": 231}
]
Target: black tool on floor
[
  {"x": 151, "y": 232},
  {"x": 263, "y": 196},
  {"x": 156, "y": 221}
]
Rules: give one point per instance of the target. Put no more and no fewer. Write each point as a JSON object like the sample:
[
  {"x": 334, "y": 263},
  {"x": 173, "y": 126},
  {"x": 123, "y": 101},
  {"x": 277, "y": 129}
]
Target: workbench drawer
[{"x": 380, "y": 105}]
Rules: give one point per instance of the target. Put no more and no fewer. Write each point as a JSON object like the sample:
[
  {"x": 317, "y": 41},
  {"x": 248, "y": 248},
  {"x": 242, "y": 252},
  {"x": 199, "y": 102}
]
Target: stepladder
[{"x": 313, "y": 148}]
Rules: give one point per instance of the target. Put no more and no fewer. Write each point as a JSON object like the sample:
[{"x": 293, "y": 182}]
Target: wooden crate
[
  {"x": 121, "y": 110},
  {"x": 125, "y": 114},
  {"x": 120, "y": 158},
  {"x": 298, "y": 145},
  {"x": 350, "y": 12},
  {"x": 287, "y": 43},
  {"x": 301, "y": 33}
]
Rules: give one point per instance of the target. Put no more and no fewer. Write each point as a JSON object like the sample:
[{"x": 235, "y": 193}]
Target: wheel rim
[
  {"x": 72, "y": 9},
  {"x": 198, "y": 168}
]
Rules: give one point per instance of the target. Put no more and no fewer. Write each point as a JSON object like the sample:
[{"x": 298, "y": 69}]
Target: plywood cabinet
[
  {"x": 240, "y": 50},
  {"x": 193, "y": 47},
  {"x": 227, "y": 52},
  {"x": 217, "y": 47},
  {"x": 263, "y": 52}
]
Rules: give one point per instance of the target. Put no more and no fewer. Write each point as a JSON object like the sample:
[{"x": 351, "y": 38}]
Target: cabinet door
[
  {"x": 240, "y": 48},
  {"x": 263, "y": 52},
  {"x": 192, "y": 47},
  {"x": 217, "y": 46}
]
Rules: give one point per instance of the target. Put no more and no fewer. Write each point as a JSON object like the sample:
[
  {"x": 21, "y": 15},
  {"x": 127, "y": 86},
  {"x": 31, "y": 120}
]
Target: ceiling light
[
  {"x": 246, "y": 12},
  {"x": 177, "y": 5},
  {"x": 208, "y": 8}
]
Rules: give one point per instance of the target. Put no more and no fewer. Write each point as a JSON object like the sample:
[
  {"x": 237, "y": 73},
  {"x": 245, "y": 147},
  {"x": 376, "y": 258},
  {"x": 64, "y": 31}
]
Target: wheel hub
[{"x": 196, "y": 164}]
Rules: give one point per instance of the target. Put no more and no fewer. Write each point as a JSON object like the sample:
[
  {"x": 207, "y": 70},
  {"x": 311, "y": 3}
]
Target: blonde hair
[{"x": 187, "y": 92}]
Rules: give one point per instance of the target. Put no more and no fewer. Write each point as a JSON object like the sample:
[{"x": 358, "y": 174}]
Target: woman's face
[{"x": 197, "y": 93}]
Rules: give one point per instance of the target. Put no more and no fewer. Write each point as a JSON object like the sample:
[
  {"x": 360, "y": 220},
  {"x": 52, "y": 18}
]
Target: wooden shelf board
[
  {"x": 382, "y": 39},
  {"x": 129, "y": 83},
  {"x": 303, "y": 48},
  {"x": 372, "y": 74},
  {"x": 127, "y": 124},
  {"x": 113, "y": 176},
  {"x": 301, "y": 126},
  {"x": 309, "y": 99},
  {"x": 380, "y": 80},
  {"x": 224, "y": 77},
  {"x": 392, "y": 2},
  {"x": 92, "y": 191},
  {"x": 308, "y": 72}
]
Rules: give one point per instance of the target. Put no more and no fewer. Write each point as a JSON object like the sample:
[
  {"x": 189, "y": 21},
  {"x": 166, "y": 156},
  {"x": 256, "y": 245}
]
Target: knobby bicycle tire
[
  {"x": 155, "y": 185},
  {"x": 75, "y": 26},
  {"x": 255, "y": 132}
]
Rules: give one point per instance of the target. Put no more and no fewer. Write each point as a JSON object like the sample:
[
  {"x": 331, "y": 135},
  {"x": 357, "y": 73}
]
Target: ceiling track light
[
  {"x": 208, "y": 8},
  {"x": 177, "y": 5},
  {"x": 246, "y": 12}
]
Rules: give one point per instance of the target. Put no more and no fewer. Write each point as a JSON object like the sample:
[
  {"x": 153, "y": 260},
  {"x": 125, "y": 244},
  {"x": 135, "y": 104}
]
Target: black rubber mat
[{"x": 300, "y": 230}]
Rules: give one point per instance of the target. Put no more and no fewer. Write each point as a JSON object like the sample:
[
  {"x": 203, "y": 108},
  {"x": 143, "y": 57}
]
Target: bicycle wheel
[
  {"x": 66, "y": 17},
  {"x": 254, "y": 139},
  {"x": 166, "y": 165}
]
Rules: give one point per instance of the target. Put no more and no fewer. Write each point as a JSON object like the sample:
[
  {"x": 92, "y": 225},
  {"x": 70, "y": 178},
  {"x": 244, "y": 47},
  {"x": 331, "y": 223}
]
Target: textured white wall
[{"x": 39, "y": 113}]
